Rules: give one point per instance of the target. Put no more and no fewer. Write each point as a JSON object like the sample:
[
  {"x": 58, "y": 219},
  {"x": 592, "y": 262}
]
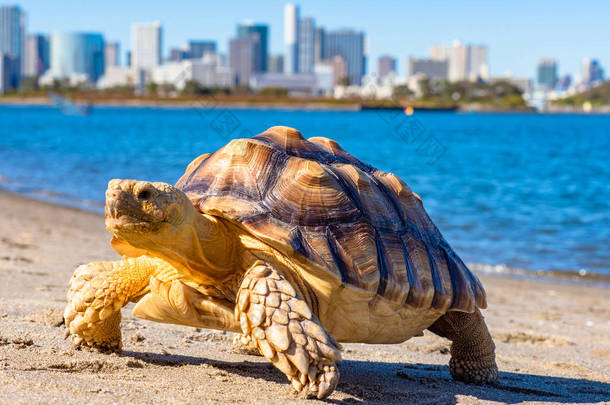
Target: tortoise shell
[{"x": 363, "y": 226}]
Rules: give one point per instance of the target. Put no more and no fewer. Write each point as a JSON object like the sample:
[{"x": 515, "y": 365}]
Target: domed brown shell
[{"x": 364, "y": 226}]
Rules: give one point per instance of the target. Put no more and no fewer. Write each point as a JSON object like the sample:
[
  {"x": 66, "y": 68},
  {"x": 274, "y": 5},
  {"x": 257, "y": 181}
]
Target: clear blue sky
[{"x": 518, "y": 32}]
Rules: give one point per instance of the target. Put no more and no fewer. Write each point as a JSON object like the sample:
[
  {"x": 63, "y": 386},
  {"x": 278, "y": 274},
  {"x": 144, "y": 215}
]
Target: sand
[{"x": 553, "y": 339}]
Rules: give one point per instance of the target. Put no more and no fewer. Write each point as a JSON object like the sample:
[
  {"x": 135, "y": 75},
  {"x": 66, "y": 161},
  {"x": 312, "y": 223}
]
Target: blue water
[{"x": 522, "y": 190}]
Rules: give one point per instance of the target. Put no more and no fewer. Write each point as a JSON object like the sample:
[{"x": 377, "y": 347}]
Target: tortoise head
[
  {"x": 137, "y": 210},
  {"x": 159, "y": 220}
]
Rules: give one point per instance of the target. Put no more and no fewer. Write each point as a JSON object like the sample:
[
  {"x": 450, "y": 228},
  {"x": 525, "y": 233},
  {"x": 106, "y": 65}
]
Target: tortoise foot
[
  {"x": 474, "y": 371},
  {"x": 92, "y": 314},
  {"x": 286, "y": 332}
]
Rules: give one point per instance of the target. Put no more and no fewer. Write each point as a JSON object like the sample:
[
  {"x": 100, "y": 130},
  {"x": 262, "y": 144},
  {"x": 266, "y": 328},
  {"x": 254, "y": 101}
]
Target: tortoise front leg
[
  {"x": 280, "y": 322},
  {"x": 97, "y": 293},
  {"x": 473, "y": 358}
]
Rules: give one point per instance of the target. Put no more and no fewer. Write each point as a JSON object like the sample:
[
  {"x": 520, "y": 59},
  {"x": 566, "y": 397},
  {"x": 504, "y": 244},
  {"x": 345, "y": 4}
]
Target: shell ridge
[
  {"x": 346, "y": 188},
  {"x": 478, "y": 291},
  {"x": 333, "y": 248},
  {"x": 463, "y": 296},
  {"x": 391, "y": 197},
  {"x": 438, "y": 287},
  {"x": 381, "y": 265}
]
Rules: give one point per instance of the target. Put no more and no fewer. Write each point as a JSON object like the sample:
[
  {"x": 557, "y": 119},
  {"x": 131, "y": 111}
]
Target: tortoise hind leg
[
  {"x": 473, "y": 357},
  {"x": 281, "y": 324}
]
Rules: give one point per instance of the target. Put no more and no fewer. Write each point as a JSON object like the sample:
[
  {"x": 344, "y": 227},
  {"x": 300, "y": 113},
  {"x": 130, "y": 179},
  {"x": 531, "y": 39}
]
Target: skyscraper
[
  {"x": 592, "y": 71},
  {"x": 349, "y": 45},
  {"x": 196, "y": 49},
  {"x": 242, "y": 57},
  {"x": 146, "y": 45},
  {"x": 291, "y": 22},
  {"x": 547, "y": 73},
  {"x": 385, "y": 65},
  {"x": 262, "y": 30},
  {"x": 465, "y": 61},
  {"x": 9, "y": 72},
  {"x": 12, "y": 37},
  {"x": 111, "y": 54},
  {"x": 37, "y": 54},
  {"x": 479, "y": 67},
  {"x": 306, "y": 44},
  {"x": 77, "y": 53},
  {"x": 318, "y": 44}
]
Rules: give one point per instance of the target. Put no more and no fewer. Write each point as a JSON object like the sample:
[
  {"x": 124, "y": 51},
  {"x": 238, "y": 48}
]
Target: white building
[
  {"x": 465, "y": 62},
  {"x": 111, "y": 54},
  {"x": 325, "y": 79},
  {"x": 146, "y": 45},
  {"x": 117, "y": 76},
  {"x": 291, "y": 22},
  {"x": 200, "y": 70}
]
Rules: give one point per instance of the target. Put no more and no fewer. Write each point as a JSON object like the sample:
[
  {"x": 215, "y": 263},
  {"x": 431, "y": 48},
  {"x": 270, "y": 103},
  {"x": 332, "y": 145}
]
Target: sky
[{"x": 518, "y": 33}]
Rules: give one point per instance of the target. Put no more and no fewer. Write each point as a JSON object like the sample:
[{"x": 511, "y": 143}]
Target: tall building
[
  {"x": 275, "y": 64},
  {"x": 77, "y": 53},
  {"x": 465, "y": 62},
  {"x": 128, "y": 58},
  {"x": 12, "y": 37},
  {"x": 37, "y": 54},
  {"x": 146, "y": 45},
  {"x": 242, "y": 57},
  {"x": 385, "y": 65},
  {"x": 547, "y": 73},
  {"x": 318, "y": 44},
  {"x": 9, "y": 72},
  {"x": 291, "y": 22},
  {"x": 262, "y": 31},
  {"x": 479, "y": 67},
  {"x": 111, "y": 54},
  {"x": 592, "y": 71},
  {"x": 349, "y": 45},
  {"x": 306, "y": 45},
  {"x": 433, "y": 69},
  {"x": 196, "y": 49}
]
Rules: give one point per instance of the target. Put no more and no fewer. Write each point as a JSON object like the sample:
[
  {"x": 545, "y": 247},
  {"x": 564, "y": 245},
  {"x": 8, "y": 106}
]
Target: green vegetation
[
  {"x": 274, "y": 92},
  {"x": 193, "y": 87},
  {"x": 597, "y": 96},
  {"x": 498, "y": 95}
]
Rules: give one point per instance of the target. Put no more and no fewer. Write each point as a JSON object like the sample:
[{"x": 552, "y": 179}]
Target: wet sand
[{"x": 553, "y": 339}]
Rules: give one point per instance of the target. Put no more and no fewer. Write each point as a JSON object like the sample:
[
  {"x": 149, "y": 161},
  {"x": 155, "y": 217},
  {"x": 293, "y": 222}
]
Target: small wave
[
  {"x": 580, "y": 275},
  {"x": 54, "y": 197}
]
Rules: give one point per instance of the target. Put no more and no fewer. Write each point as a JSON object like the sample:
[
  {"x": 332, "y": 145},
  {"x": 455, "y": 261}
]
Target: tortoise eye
[{"x": 144, "y": 195}]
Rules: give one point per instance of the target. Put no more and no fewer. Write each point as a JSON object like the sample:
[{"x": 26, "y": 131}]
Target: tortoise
[{"x": 294, "y": 244}]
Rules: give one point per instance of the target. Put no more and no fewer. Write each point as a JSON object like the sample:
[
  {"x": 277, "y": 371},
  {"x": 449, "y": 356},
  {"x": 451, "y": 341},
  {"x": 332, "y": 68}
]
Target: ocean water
[{"x": 508, "y": 191}]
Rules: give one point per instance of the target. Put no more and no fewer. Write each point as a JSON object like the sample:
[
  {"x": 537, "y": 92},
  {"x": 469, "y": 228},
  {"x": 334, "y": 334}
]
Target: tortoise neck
[{"x": 202, "y": 247}]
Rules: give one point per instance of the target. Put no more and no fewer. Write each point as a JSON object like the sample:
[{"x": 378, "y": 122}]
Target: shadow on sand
[{"x": 389, "y": 383}]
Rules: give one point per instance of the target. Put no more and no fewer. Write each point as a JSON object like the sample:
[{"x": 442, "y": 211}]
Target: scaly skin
[
  {"x": 97, "y": 293},
  {"x": 287, "y": 333},
  {"x": 473, "y": 358}
]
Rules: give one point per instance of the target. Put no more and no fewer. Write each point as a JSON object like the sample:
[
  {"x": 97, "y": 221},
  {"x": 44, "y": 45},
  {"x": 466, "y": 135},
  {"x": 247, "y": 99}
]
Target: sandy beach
[{"x": 553, "y": 339}]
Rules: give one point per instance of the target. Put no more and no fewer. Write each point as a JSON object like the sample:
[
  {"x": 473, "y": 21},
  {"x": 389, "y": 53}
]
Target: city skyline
[{"x": 509, "y": 38}]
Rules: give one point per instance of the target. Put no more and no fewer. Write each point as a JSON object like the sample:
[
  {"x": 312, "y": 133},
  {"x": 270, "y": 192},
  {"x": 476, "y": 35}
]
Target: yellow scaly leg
[{"x": 97, "y": 293}]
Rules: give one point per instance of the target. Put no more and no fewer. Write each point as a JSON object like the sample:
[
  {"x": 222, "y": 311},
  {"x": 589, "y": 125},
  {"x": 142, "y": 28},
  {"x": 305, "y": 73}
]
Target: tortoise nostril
[{"x": 144, "y": 195}]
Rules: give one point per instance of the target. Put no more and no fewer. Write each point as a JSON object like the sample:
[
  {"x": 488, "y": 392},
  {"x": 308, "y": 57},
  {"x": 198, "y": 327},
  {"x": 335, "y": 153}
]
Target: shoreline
[
  {"x": 552, "y": 339},
  {"x": 284, "y": 105},
  {"x": 577, "y": 277}
]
